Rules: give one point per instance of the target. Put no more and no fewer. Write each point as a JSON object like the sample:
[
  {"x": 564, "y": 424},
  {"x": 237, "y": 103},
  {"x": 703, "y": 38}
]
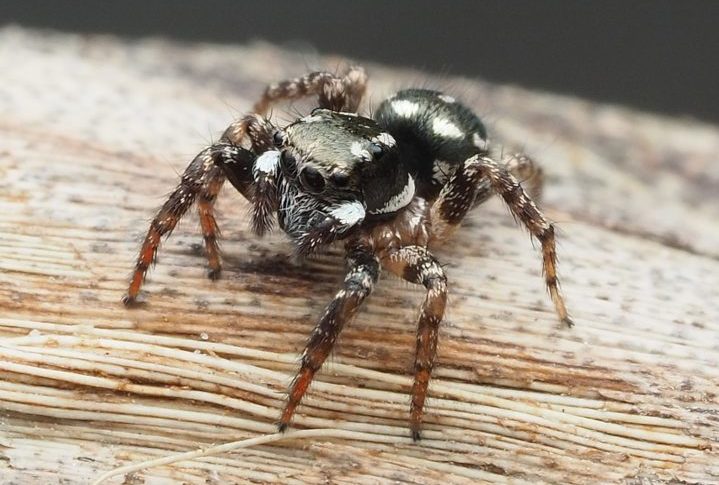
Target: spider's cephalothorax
[{"x": 389, "y": 187}]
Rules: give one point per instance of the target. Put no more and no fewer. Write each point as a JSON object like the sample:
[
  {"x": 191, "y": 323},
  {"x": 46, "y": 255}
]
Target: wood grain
[{"x": 92, "y": 135}]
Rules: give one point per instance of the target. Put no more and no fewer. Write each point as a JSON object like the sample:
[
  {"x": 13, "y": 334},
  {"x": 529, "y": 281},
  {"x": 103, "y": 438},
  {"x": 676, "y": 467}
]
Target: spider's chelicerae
[{"x": 389, "y": 187}]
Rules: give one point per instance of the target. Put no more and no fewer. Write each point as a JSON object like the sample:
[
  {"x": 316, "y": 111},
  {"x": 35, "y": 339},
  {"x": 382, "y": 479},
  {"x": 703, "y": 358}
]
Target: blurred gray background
[{"x": 655, "y": 55}]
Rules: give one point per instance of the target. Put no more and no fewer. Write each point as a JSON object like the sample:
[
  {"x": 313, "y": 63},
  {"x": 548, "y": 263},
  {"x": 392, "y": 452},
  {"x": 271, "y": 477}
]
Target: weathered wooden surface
[{"x": 93, "y": 131}]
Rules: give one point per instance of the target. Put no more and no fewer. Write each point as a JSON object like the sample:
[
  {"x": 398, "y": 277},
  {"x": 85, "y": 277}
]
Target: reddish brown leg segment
[
  {"x": 362, "y": 275},
  {"x": 526, "y": 211},
  {"x": 166, "y": 219},
  {"x": 417, "y": 265},
  {"x": 202, "y": 180},
  {"x": 205, "y": 208}
]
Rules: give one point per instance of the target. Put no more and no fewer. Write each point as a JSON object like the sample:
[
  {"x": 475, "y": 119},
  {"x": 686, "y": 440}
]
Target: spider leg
[
  {"x": 417, "y": 265},
  {"x": 524, "y": 169},
  {"x": 524, "y": 209},
  {"x": 201, "y": 181},
  {"x": 334, "y": 92},
  {"x": 361, "y": 277},
  {"x": 205, "y": 209}
]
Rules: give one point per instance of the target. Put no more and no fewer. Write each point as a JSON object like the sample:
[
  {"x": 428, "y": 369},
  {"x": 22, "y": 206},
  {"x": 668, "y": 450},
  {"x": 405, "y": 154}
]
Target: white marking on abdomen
[
  {"x": 405, "y": 108},
  {"x": 446, "y": 98},
  {"x": 479, "y": 142},
  {"x": 444, "y": 127}
]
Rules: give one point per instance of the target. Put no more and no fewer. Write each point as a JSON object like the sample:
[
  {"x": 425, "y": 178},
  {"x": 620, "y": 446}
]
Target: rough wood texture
[{"x": 93, "y": 131}]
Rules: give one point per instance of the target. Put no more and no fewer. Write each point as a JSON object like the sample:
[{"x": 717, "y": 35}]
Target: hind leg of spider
[
  {"x": 417, "y": 265},
  {"x": 523, "y": 168},
  {"x": 338, "y": 93},
  {"x": 524, "y": 209},
  {"x": 361, "y": 277},
  {"x": 202, "y": 179}
]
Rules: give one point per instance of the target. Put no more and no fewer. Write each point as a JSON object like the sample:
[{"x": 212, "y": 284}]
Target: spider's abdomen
[{"x": 434, "y": 132}]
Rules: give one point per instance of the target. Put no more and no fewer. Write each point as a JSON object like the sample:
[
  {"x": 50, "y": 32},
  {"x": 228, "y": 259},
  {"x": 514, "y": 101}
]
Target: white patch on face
[
  {"x": 405, "y": 108},
  {"x": 349, "y": 213},
  {"x": 400, "y": 200},
  {"x": 267, "y": 162},
  {"x": 385, "y": 139},
  {"x": 444, "y": 127},
  {"x": 447, "y": 99},
  {"x": 358, "y": 150},
  {"x": 479, "y": 142}
]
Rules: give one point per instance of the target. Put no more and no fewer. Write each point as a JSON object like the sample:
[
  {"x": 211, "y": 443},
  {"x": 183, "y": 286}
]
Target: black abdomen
[{"x": 434, "y": 133}]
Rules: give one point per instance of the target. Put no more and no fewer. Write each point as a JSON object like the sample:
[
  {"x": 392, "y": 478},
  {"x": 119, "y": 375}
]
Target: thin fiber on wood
[{"x": 93, "y": 133}]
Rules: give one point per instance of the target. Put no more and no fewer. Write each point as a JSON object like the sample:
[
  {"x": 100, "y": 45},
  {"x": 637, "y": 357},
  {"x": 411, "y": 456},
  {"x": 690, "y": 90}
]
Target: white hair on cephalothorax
[
  {"x": 312, "y": 119},
  {"x": 446, "y": 98},
  {"x": 385, "y": 139},
  {"x": 358, "y": 150}
]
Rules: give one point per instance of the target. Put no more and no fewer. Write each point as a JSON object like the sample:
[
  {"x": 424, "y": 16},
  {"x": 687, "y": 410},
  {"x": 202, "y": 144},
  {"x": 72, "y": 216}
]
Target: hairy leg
[
  {"x": 361, "y": 277},
  {"x": 417, "y": 265},
  {"x": 524, "y": 209},
  {"x": 524, "y": 169},
  {"x": 214, "y": 178},
  {"x": 338, "y": 93},
  {"x": 201, "y": 182}
]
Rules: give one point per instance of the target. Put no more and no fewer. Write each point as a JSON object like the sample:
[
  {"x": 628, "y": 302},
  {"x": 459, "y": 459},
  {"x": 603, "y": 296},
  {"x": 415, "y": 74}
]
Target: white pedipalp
[
  {"x": 349, "y": 213},
  {"x": 267, "y": 163}
]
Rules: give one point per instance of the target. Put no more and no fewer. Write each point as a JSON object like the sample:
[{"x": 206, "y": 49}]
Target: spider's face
[{"x": 340, "y": 157}]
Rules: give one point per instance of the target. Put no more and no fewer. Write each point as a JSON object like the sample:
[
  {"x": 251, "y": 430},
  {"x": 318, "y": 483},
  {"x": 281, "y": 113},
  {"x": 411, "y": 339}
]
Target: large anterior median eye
[{"x": 312, "y": 180}]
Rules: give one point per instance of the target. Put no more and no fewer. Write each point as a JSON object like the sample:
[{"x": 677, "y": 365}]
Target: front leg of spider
[
  {"x": 417, "y": 265},
  {"x": 204, "y": 176},
  {"x": 361, "y": 277}
]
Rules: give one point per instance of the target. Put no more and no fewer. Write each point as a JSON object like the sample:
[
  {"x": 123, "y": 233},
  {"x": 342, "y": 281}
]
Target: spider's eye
[
  {"x": 312, "y": 180},
  {"x": 288, "y": 162},
  {"x": 340, "y": 180},
  {"x": 279, "y": 138}
]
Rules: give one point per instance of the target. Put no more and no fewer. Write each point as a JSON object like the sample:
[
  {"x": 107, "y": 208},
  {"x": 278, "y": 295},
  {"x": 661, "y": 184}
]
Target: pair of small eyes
[{"x": 310, "y": 177}]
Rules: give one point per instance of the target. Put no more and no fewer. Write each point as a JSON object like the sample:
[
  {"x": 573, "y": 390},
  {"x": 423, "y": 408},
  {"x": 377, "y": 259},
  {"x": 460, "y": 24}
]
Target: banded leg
[
  {"x": 524, "y": 169},
  {"x": 202, "y": 179},
  {"x": 457, "y": 197},
  {"x": 524, "y": 209},
  {"x": 417, "y": 265},
  {"x": 167, "y": 218},
  {"x": 214, "y": 178},
  {"x": 264, "y": 195},
  {"x": 334, "y": 92},
  {"x": 361, "y": 277}
]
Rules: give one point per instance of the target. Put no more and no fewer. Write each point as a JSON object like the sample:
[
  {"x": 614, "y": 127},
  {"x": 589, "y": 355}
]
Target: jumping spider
[{"x": 389, "y": 187}]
